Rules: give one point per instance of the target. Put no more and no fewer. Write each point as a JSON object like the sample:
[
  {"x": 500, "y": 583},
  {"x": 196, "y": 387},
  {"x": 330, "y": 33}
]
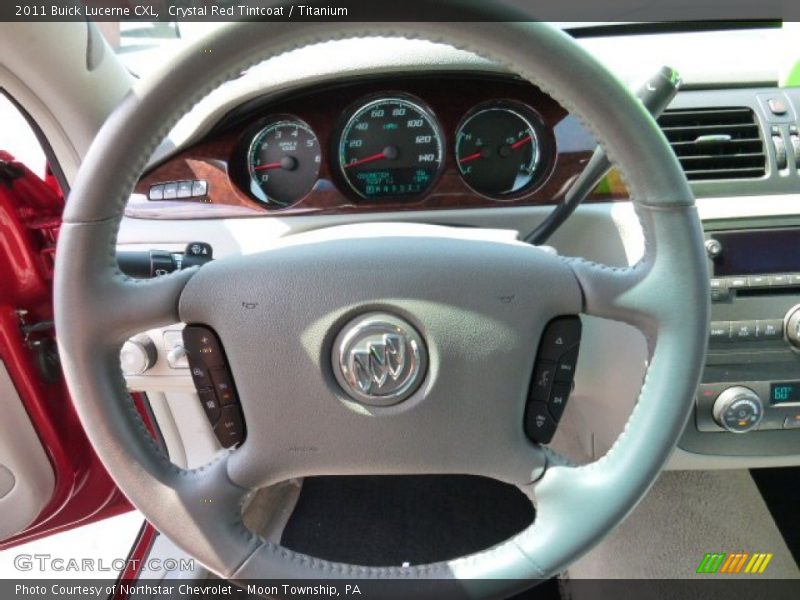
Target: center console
[{"x": 748, "y": 403}]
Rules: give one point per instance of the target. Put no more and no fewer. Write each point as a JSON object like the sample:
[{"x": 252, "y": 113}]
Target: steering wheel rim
[{"x": 665, "y": 295}]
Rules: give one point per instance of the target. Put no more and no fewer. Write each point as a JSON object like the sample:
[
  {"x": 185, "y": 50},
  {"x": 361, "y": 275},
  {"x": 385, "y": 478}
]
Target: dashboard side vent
[{"x": 716, "y": 143}]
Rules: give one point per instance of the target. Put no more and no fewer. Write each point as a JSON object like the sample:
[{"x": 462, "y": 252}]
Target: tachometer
[
  {"x": 283, "y": 162},
  {"x": 497, "y": 149},
  {"x": 390, "y": 147}
]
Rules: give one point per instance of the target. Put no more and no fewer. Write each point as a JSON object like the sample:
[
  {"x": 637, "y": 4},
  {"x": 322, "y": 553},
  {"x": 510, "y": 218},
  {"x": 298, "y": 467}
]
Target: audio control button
[
  {"x": 719, "y": 331},
  {"x": 778, "y": 280},
  {"x": 758, "y": 281},
  {"x": 543, "y": 376},
  {"x": 558, "y": 399},
  {"x": 792, "y": 422},
  {"x": 743, "y": 331},
  {"x": 560, "y": 336},
  {"x": 565, "y": 370},
  {"x": 737, "y": 282},
  {"x": 770, "y": 329},
  {"x": 540, "y": 426}
]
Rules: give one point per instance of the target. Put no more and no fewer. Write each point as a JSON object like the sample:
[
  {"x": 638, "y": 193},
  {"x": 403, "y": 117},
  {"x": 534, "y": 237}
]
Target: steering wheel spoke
[
  {"x": 646, "y": 294},
  {"x": 121, "y": 306}
]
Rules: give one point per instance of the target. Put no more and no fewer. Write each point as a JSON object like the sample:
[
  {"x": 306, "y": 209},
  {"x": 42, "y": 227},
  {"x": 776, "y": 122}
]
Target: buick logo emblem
[{"x": 379, "y": 359}]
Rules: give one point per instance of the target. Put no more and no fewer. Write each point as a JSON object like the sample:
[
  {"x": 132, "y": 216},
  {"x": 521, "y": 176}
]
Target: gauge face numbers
[
  {"x": 390, "y": 147},
  {"x": 497, "y": 151},
  {"x": 283, "y": 162}
]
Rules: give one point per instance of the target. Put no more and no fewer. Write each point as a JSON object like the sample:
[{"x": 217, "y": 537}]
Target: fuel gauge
[{"x": 497, "y": 150}]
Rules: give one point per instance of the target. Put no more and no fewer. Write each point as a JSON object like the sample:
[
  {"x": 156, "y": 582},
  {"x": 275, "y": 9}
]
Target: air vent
[{"x": 716, "y": 143}]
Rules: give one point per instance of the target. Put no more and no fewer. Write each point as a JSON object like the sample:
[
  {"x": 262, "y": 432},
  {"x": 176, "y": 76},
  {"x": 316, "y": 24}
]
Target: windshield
[{"x": 144, "y": 45}]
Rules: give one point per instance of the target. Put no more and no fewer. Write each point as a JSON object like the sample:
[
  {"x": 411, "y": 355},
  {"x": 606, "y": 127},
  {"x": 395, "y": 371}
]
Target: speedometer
[{"x": 390, "y": 147}]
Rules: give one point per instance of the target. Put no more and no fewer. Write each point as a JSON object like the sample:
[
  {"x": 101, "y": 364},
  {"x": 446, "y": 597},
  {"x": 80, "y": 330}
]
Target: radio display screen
[
  {"x": 787, "y": 391},
  {"x": 757, "y": 251}
]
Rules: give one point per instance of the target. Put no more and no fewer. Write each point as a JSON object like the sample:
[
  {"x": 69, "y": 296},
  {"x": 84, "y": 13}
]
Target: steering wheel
[{"x": 478, "y": 305}]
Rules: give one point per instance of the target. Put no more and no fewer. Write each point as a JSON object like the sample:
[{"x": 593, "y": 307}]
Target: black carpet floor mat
[
  {"x": 780, "y": 489},
  {"x": 382, "y": 521}
]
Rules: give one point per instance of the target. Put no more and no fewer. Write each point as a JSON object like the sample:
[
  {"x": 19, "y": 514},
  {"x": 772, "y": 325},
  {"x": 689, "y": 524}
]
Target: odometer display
[{"x": 390, "y": 147}]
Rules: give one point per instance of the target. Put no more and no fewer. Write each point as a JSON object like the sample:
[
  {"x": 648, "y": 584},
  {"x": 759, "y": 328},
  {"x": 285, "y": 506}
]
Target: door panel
[
  {"x": 78, "y": 490},
  {"x": 26, "y": 476}
]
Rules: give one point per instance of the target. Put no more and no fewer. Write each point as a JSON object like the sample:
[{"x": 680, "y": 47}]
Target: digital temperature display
[{"x": 780, "y": 393}]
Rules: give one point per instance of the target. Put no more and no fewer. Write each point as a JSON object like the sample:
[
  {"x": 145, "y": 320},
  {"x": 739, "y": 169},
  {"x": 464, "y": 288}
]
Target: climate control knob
[{"x": 738, "y": 409}]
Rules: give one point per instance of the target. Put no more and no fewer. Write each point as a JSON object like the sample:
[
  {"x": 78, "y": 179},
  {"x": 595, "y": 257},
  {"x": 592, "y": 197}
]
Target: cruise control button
[
  {"x": 210, "y": 405},
  {"x": 560, "y": 335},
  {"x": 230, "y": 427},
  {"x": 719, "y": 331},
  {"x": 539, "y": 424},
  {"x": 200, "y": 377},
  {"x": 558, "y": 399},
  {"x": 566, "y": 366},
  {"x": 202, "y": 347},
  {"x": 223, "y": 386},
  {"x": 543, "y": 376}
]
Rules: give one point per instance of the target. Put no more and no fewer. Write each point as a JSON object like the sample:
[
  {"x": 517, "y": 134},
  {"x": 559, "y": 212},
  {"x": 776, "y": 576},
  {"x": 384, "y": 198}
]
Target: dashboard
[
  {"x": 382, "y": 144},
  {"x": 347, "y": 162}
]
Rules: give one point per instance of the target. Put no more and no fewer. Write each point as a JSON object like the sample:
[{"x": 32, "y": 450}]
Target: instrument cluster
[{"x": 392, "y": 147}]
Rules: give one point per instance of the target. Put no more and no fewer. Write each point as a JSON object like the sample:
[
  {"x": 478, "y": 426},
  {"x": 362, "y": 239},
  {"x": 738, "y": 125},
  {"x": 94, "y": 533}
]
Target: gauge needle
[
  {"x": 390, "y": 152},
  {"x": 366, "y": 159},
  {"x": 266, "y": 167},
  {"x": 288, "y": 163},
  {"x": 520, "y": 143},
  {"x": 469, "y": 157}
]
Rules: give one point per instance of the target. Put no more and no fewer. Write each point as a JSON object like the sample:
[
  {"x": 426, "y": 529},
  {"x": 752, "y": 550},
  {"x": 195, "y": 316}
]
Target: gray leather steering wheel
[{"x": 467, "y": 416}]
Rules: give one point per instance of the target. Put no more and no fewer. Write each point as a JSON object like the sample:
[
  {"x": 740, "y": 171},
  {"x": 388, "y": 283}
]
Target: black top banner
[{"x": 583, "y": 11}]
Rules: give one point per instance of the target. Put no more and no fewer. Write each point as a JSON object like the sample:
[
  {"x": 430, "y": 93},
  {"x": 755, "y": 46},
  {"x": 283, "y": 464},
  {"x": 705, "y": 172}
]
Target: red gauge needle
[
  {"x": 520, "y": 143},
  {"x": 272, "y": 165},
  {"x": 469, "y": 157},
  {"x": 366, "y": 159}
]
